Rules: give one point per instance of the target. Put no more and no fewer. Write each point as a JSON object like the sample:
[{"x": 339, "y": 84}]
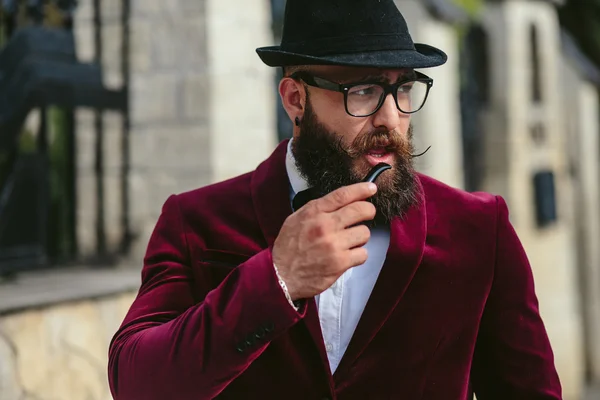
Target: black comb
[{"x": 303, "y": 197}]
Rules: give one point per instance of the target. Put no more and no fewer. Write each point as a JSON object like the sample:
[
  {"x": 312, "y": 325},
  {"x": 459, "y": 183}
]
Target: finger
[
  {"x": 353, "y": 214},
  {"x": 354, "y": 237},
  {"x": 357, "y": 256},
  {"x": 346, "y": 195}
]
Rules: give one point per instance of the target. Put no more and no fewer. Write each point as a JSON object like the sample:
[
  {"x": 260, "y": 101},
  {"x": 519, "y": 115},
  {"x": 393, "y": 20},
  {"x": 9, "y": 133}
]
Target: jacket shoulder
[
  {"x": 218, "y": 195},
  {"x": 215, "y": 214},
  {"x": 475, "y": 209}
]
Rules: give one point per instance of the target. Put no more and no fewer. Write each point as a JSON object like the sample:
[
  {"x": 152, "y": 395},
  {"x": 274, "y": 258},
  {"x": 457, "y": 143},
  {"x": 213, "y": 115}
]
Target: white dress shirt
[{"x": 341, "y": 306}]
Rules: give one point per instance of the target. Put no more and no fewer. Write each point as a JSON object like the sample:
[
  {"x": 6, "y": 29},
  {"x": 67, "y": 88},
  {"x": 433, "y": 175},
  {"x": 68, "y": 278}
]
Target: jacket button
[
  {"x": 260, "y": 333},
  {"x": 270, "y": 327},
  {"x": 241, "y": 347},
  {"x": 250, "y": 341}
]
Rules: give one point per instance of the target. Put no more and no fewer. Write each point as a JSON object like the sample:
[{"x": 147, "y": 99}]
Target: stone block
[
  {"x": 85, "y": 148},
  {"x": 140, "y": 45},
  {"x": 242, "y": 127},
  {"x": 190, "y": 8},
  {"x": 248, "y": 147},
  {"x": 113, "y": 151},
  {"x": 141, "y": 197},
  {"x": 86, "y": 139},
  {"x": 112, "y": 43},
  {"x": 112, "y": 79},
  {"x": 86, "y": 211},
  {"x": 196, "y": 97},
  {"x": 113, "y": 211},
  {"x": 154, "y": 98},
  {"x": 234, "y": 34},
  {"x": 171, "y": 147},
  {"x": 149, "y": 189},
  {"x": 179, "y": 44},
  {"x": 157, "y": 9},
  {"x": 194, "y": 38},
  {"x": 147, "y": 8},
  {"x": 9, "y": 379},
  {"x": 84, "y": 12},
  {"x": 111, "y": 10},
  {"x": 59, "y": 352},
  {"x": 84, "y": 117},
  {"x": 167, "y": 48},
  {"x": 84, "y": 41},
  {"x": 113, "y": 122}
]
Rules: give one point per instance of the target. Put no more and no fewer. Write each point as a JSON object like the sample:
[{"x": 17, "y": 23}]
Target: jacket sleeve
[
  {"x": 181, "y": 341},
  {"x": 513, "y": 358}
]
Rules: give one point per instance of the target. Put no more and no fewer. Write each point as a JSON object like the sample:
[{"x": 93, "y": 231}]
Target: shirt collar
[{"x": 297, "y": 182}]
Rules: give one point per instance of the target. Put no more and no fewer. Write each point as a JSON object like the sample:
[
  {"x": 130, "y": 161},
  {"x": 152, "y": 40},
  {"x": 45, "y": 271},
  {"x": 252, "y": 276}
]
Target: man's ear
[{"x": 293, "y": 97}]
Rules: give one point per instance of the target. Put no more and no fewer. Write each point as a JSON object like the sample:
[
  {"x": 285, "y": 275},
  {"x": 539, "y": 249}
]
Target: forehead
[{"x": 354, "y": 74}]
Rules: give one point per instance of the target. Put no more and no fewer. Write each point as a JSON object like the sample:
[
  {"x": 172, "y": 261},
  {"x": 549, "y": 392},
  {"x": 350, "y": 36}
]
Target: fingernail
[{"x": 372, "y": 187}]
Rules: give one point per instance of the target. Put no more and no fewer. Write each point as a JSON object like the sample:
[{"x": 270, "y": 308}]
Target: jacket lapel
[
  {"x": 270, "y": 189},
  {"x": 407, "y": 243},
  {"x": 270, "y": 193}
]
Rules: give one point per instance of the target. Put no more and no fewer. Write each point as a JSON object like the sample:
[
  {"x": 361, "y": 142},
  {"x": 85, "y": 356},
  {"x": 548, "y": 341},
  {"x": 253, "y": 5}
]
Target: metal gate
[{"x": 39, "y": 70}]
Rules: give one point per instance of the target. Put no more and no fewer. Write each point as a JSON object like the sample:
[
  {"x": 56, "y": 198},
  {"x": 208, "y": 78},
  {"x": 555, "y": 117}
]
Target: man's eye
[
  {"x": 367, "y": 90},
  {"x": 406, "y": 88}
]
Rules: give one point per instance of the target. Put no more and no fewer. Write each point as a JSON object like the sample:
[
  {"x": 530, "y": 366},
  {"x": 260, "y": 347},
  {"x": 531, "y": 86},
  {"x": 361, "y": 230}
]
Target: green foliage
[
  {"x": 27, "y": 142},
  {"x": 472, "y": 7},
  {"x": 582, "y": 20}
]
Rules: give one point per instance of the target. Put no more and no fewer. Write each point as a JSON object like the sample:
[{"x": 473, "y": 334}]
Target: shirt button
[{"x": 329, "y": 347}]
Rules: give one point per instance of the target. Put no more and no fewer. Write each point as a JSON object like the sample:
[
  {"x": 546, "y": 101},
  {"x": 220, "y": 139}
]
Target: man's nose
[{"x": 388, "y": 116}]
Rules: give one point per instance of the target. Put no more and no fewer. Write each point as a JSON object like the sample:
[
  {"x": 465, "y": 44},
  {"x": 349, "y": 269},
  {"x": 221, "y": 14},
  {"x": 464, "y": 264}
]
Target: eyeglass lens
[{"x": 363, "y": 100}]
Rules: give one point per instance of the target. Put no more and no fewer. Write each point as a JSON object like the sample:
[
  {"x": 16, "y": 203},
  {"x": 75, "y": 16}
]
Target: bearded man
[{"x": 403, "y": 289}]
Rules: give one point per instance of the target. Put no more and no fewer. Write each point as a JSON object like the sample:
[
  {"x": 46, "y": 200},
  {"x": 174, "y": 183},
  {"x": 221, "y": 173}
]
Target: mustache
[
  {"x": 421, "y": 154},
  {"x": 390, "y": 141}
]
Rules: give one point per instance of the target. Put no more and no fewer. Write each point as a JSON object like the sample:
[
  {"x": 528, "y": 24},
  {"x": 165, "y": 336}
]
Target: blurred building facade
[{"x": 514, "y": 112}]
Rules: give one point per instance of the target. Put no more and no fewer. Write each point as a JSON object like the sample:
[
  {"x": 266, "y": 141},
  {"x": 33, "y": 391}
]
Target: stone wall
[
  {"x": 202, "y": 105},
  {"x": 60, "y": 352},
  {"x": 523, "y": 137}
]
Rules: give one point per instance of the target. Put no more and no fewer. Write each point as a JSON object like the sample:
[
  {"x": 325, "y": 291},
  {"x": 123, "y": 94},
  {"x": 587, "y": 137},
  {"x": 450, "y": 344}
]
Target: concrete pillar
[
  {"x": 514, "y": 152},
  {"x": 589, "y": 219},
  {"x": 582, "y": 114},
  {"x": 242, "y": 108},
  {"x": 438, "y": 124}
]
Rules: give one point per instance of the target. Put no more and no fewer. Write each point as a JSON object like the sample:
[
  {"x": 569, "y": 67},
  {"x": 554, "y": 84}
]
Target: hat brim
[{"x": 424, "y": 56}]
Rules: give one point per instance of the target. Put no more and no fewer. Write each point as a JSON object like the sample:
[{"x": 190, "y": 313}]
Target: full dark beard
[{"x": 326, "y": 164}]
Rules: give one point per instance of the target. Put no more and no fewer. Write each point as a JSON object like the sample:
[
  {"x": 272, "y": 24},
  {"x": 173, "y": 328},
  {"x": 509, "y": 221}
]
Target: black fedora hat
[{"x": 361, "y": 33}]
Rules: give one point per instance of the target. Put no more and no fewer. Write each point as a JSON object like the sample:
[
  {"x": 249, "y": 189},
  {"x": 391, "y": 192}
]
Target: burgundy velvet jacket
[{"x": 453, "y": 312}]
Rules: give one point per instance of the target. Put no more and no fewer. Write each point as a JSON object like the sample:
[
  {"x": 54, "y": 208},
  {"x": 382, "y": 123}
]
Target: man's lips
[
  {"x": 377, "y": 152},
  {"x": 379, "y": 155}
]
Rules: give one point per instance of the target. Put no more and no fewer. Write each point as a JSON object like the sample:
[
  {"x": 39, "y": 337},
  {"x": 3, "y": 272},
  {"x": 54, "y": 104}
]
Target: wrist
[{"x": 295, "y": 303}]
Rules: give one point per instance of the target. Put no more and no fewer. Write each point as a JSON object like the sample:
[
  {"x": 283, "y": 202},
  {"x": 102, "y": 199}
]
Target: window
[{"x": 536, "y": 80}]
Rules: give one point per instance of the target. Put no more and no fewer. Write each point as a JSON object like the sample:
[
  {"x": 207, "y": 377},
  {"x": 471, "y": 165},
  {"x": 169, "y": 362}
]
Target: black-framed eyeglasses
[{"x": 363, "y": 99}]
